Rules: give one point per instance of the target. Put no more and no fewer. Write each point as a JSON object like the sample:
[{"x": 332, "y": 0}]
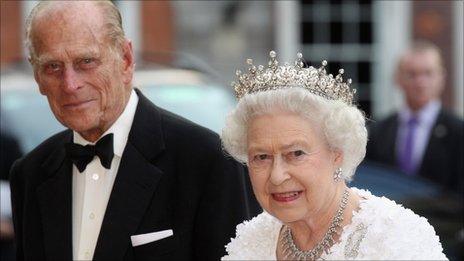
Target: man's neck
[{"x": 93, "y": 135}]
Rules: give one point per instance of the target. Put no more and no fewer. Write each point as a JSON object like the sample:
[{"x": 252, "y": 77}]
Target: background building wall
[
  {"x": 364, "y": 37},
  {"x": 433, "y": 21},
  {"x": 10, "y": 35}
]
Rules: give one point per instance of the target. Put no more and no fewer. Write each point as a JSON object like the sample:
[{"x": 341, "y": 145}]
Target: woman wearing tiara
[{"x": 302, "y": 138}]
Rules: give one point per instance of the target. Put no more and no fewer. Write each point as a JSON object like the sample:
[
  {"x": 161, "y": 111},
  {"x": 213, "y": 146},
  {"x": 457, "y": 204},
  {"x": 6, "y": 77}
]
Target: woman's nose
[{"x": 279, "y": 171}]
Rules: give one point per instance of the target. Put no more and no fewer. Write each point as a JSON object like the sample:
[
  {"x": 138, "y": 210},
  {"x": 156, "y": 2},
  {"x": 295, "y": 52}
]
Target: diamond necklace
[{"x": 290, "y": 250}]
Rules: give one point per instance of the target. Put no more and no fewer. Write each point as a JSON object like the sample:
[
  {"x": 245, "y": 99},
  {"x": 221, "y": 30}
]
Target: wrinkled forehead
[
  {"x": 67, "y": 24},
  {"x": 283, "y": 132}
]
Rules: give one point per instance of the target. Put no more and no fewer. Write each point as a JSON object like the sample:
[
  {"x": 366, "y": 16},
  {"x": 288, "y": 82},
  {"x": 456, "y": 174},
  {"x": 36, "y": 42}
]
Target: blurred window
[{"x": 341, "y": 33}]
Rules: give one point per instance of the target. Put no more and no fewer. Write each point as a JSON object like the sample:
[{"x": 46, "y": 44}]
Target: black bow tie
[{"x": 82, "y": 155}]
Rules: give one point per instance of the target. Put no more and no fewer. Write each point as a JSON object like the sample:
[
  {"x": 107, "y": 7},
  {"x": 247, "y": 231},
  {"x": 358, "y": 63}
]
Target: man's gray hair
[
  {"x": 111, "y": 14},
  {"x": 419, "y": 46}
]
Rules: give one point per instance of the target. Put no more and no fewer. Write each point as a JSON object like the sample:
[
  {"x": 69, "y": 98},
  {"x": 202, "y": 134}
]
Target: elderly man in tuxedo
[
  {"x": 127, "y": 180},
  {"x": 421, "y": 139}
]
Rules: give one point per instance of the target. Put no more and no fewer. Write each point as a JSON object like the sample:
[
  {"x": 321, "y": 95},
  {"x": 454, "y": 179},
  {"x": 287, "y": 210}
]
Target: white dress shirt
[
  {"x": 426, "y": 120},
  {"x": 91, "y": 189}
]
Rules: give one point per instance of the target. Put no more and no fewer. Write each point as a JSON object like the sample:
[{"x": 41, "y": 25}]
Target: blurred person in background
[
  {"x": 9, "y": 152},
  {"x": 128, "y": 180},
  {"x": 422, "y": 138}
]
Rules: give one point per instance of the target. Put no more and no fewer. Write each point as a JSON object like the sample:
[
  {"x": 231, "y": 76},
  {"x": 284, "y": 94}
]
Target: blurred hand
[{"x": 6, "y": 230}]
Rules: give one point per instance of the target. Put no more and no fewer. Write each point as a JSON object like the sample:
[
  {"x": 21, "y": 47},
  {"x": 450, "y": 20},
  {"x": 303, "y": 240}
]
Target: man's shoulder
[
  {"x": 174, "y": 125},
  {"x": 179, "y": 130},
  {"x": 40, "y": 153},
  {"x": 451, "y": 120},
  {"x": 385, "y": 121},
  {"x": 377, "y": 128},
  {"x": 28, "y": 166}
]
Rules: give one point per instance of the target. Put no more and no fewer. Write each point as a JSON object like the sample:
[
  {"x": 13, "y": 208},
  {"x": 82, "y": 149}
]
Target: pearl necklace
[{"x": 290, "y": 250}]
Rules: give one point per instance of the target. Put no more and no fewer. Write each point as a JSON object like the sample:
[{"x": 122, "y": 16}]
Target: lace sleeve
[
  {"x": 396, "y": 233},
  {"x": 255, "y": 239}
]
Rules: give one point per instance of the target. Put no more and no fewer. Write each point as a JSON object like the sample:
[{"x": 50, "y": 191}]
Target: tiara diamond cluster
[{"x": 274, "y": 77}]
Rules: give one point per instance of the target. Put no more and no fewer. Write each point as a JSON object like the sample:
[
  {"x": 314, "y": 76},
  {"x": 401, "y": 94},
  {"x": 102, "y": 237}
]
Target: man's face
[
  {"x": 421, "y": 78},
  {"x": 87, "y": 83}
]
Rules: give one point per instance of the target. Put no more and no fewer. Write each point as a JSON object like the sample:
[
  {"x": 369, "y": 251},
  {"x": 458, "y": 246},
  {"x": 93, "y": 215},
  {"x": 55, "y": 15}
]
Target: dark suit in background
[
  {"x": 173, "y": 175},
  {"x": 9, "y": 152},
  {"x": 442, "y": 160}
]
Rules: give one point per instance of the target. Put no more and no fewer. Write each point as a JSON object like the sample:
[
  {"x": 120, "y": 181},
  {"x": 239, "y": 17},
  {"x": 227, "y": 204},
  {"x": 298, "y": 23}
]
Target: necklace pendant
[{"x": 289, "y": 248}]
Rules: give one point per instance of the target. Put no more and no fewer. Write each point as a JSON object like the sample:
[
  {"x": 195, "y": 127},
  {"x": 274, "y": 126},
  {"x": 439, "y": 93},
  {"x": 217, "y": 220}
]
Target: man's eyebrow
[
  {"x": 46, "y": 58},
  {"x": 89, "y": 53}
]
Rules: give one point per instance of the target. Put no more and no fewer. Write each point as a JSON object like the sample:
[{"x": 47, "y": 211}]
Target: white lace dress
[{"x": 380, "y": 229}]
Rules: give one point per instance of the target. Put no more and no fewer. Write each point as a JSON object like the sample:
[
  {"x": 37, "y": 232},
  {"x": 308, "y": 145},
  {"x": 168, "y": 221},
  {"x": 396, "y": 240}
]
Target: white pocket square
[{"x": 142, "y": 239}]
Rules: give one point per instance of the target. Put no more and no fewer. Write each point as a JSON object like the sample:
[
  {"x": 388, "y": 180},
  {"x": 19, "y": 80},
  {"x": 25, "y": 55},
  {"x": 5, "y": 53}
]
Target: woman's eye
[
  {"x": 261, "y": 157},
  {"x": 260, "y": 160},
  {"x": 297, "y": 154}
]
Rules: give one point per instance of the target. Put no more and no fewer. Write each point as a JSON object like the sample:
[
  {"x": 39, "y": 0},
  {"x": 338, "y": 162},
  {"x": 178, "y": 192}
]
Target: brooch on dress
[{"x": 354, "y": 240}]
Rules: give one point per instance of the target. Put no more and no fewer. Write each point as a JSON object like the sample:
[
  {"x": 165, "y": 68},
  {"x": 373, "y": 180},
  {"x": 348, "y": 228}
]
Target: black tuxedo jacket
[
  {"x": 443, "y": 158},
  {"x": 9, "y": 152},
  {"x": 173, "y": 175}
]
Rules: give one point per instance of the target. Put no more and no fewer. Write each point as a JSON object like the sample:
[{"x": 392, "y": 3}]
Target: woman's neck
[{"x": 309, "y": 232}]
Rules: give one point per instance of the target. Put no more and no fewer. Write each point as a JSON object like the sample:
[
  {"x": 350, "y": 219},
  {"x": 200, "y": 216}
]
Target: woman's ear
[{"x": 338, "y": 157}]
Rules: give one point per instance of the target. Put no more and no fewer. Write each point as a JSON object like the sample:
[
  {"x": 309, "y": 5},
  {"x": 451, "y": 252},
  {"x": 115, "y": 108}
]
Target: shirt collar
[
  {"x": 120, "y": 128},
  {"x": 426, "y": 115}
]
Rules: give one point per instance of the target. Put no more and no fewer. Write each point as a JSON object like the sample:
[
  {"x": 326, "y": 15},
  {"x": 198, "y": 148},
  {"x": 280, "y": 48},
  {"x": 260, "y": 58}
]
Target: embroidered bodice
[{"x": 380, "y": 229}]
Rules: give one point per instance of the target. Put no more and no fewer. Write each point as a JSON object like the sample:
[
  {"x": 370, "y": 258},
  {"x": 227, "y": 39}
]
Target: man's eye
[
  {"x": 52, "y": 67},
  {"x": 87, "y": 63},
  {"x": 298, "y": 153}
]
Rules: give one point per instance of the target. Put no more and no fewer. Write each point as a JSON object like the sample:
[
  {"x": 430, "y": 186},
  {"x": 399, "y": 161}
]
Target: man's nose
[
  {"x": 71, "y": 80},
  {"x": 279, "y": 171}
]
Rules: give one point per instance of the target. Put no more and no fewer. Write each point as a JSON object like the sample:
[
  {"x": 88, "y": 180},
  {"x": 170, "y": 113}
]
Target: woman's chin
[{"x": 287, "y": 215}]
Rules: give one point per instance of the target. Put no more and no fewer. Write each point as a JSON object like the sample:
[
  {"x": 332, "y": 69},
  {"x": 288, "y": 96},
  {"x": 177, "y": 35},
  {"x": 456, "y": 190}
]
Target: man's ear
[
  {"x": 128, "y": 62},
  {"x": 397, "y": 77},
  {"x": 37, "y": 79}
]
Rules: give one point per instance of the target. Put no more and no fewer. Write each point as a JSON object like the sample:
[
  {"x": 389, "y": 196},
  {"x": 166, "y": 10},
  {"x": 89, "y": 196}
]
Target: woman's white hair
[{"x": 343, "y": 125}]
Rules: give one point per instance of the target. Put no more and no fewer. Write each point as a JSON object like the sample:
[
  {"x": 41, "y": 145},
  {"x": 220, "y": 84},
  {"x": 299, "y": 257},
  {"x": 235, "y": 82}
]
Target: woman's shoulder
[
  {"x": 254, "y": 239},
  {"x": 395, "y": 232}
]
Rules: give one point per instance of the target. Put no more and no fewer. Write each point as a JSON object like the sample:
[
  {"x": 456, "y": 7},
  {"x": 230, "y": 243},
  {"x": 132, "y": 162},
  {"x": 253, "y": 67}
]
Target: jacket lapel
[
  {"x": 435, "y": 147},
  {"x": 55, "y": 202},
  {"x": 391, "y": 134},
  {"x": 135, "y": 183}
]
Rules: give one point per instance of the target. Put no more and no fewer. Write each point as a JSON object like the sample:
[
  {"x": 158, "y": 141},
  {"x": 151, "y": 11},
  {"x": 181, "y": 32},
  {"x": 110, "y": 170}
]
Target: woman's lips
[{"x": 286, "y": 196}]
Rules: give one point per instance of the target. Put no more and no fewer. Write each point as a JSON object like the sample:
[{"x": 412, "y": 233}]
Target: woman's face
[{"x": 291, "y": 166}]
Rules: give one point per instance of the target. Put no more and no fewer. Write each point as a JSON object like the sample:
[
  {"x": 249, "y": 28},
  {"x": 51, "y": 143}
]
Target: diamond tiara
[{"x": 274, "y": 77}]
